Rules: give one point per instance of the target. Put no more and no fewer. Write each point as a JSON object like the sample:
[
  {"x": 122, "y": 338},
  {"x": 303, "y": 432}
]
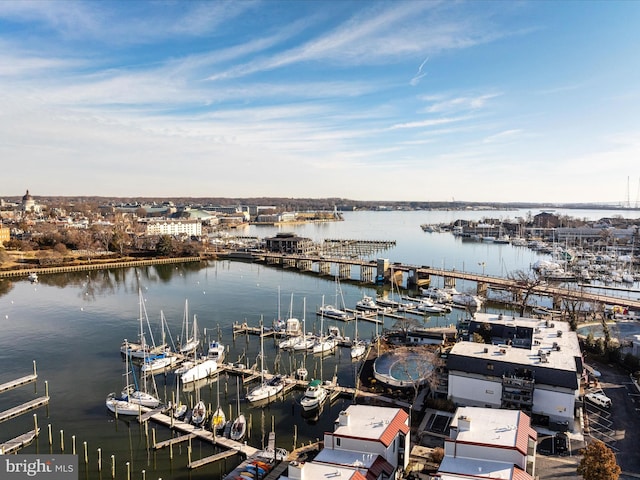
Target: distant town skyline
[{"x": 486, "y": 101}]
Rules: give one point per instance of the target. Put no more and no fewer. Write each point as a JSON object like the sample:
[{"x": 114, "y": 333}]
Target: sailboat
[
  {"x": 159, "y": 362},
  {"x": 323, "y": 344},
  {"x": 266, "y": 389},
  {"x": 304, "y": 342},
  {"x": 292, "y": 330},
  {"x": 189, "y": 340},
  {"x": 179, "y": 409},
  {"x": 199, "y": 412},
  {"x": 358, "y": 348},
  {"x": 202, "y": 368},
  {"x": 141, "y": 349},
  {"x": 239, "y": 425},
  {"x": 133, "y": 394},
  {"x": 120, "y": 405},
  {"x": 218, "y": 419},
  {"x": 333, "y": 311}
]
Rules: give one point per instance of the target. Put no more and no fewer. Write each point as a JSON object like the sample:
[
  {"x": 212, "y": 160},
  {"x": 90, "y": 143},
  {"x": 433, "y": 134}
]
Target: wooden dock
[
  {"x": 211, "y": 458},
  {"x": 174, "y": 441},
  {"x": 24, "y": 408},
  {"x": 200, "y": 434},
  {"x": 18, "y": 382},
  {"x": 244, "y": 329},
  {"x": 17, "y": 443}
]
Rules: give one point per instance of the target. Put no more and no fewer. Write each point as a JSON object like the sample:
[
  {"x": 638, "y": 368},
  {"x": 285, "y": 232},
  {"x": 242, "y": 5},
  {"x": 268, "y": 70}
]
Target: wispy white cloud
[
  {"x": 444, "y": 104},
  {"x": 506, "y": 135},
  {"x": 429, "y": 122}
]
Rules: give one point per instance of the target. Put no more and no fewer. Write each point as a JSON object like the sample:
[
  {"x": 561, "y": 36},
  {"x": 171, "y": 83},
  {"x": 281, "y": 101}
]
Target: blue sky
[{"x": 369, "y": 100}]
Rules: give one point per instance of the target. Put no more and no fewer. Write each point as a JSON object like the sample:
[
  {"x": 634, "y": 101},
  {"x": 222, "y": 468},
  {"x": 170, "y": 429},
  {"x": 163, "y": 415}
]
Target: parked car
[{"x": 599, "y": 399}]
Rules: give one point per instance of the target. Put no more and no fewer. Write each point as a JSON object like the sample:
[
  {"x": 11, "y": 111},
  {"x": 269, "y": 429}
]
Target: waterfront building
[
  {"x": 526, "y": 364},
  {"x": 289, "y": 243},
  {"x": 489, "y": 443},
  {"x": 367, "y": 442},
  {"x": 174, "y": 227}
]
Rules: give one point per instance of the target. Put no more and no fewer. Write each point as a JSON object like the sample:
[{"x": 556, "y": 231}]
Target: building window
[
  {"x": 338, "y": 441},
  {"x": 489, "y": 366}
]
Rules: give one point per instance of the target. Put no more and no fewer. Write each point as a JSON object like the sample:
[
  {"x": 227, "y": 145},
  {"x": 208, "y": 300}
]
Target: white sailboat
[
  {"x": 304, "y": 342},
  {"x": 358, "y": 348},
  {"x": 120, "y": 405},
  {"x": 179, "y": 408},
  {"x": 160, "y": 362},
  {"x": 189, "y": 340},
  {"x": 142, "y": 349},
  {"x": 292, "y": 330},
  {"x": 202, "y": 368},
  {"x": 324, "y": 343},
  {"x": 199, "y": 413},
  {"x": 239, "y": 425},
  {"x": 132, "y": 392},
  {"x": 334, "y": 311},
  {"x": 265, "y": 390}
]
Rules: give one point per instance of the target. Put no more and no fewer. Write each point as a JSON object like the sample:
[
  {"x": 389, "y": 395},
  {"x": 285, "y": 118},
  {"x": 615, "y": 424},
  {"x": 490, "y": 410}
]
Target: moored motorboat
[
  {"x": 216, "y": 351},
  {"x": 466, "y": 300},
  {"x": 314, "y": 396}
]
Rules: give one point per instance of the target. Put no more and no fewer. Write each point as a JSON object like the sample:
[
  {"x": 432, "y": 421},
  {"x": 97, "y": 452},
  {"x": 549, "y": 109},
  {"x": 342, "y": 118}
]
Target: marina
[{"x": 90, "y": 312}]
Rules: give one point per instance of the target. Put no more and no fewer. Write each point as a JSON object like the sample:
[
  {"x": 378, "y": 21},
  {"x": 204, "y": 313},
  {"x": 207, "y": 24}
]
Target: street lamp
[{"x": 482, "y": 264}]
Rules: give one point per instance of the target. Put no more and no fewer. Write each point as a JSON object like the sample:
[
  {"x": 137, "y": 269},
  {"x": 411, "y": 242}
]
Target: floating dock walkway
[
  {"x": 24, "y": 408},
  {"x": 18, "y": 382},
  {"x": 15, "y": 444}
]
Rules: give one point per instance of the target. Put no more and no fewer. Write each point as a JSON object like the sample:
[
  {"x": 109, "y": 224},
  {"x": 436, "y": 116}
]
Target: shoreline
[{"x": 81, "y": 265}]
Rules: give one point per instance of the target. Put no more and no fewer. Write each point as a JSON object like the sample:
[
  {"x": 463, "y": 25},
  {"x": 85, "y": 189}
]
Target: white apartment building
[
  {"x": 531, "y": 365},
  {"x": 174, "y": 227},
  {"x": 489, "y": 443},
  {"x": 368, "y": 442}
]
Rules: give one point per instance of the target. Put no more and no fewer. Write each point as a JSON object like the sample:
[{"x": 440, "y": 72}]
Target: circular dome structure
[
  {"x": 28, "y": 203},
  {"x": 402, "y": 367}
]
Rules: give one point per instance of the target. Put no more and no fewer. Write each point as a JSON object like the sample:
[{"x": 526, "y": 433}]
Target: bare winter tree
[{"x": 526, "y": 283}]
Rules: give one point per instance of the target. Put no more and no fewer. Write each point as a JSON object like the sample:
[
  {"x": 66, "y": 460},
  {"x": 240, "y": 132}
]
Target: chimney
[
  {"x": 464, "y": 423},
  {"x": 343, "y": 419}
]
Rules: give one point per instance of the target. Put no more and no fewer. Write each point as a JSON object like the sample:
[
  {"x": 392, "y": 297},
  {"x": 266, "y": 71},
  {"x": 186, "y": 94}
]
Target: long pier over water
[{"x": 381, "y": 271}]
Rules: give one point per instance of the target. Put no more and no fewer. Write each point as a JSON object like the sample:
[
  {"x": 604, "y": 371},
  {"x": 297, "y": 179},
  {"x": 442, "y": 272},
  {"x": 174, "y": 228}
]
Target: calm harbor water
[{"x": 72, "y": 326}]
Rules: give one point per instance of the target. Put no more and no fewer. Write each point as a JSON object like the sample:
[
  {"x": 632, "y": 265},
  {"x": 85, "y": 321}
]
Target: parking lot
[{"x": 617, "y": 426}]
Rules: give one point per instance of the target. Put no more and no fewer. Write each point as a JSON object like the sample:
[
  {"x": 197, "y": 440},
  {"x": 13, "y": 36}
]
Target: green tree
[
  {"x": 598, "y": 462},
  {"x": 165, "y": 247}
]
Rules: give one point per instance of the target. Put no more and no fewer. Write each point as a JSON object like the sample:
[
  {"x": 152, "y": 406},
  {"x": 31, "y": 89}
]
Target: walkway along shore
[{"x": 98, "y": 265}]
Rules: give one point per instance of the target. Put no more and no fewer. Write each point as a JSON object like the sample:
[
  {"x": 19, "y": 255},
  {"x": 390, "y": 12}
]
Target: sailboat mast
[{"x": 261, "y": 350}]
